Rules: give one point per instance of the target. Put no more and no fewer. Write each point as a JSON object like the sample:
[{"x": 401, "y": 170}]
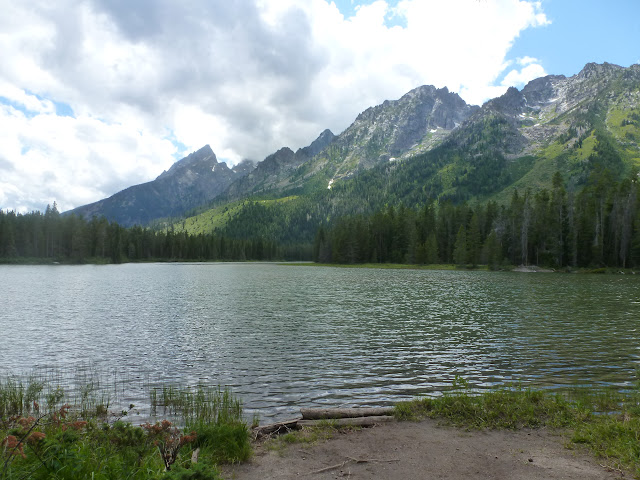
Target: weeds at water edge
[{"x": 74, "y": 439}]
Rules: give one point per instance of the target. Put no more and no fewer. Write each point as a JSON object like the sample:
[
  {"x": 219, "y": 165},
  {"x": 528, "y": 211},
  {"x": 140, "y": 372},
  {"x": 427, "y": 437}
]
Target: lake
[{"x": 283, "y": 337}]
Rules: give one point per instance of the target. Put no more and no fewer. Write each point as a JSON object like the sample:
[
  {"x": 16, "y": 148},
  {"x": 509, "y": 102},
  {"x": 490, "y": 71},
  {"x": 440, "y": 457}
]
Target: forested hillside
[
  {"x": 585, "y": 127},
  {"x": 51, "y": 237},
  {"x": 600, "y": 226}
]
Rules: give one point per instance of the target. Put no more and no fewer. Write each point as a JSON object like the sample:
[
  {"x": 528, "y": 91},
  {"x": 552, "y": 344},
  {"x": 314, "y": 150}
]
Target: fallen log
[
  {"x": 276, "y": 428},
  {"x": 326, "y": 413},
  {"x": 348, "y": 422}
]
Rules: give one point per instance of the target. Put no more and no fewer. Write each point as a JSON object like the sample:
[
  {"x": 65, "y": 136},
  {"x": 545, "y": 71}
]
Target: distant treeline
[
  {"x": 597, "y": 227},
  {"x": 72, "y": 239}
]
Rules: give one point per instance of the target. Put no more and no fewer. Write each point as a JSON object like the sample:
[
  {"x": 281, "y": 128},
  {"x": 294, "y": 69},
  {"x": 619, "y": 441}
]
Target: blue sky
[
  {"x": 583, "y": 31},
  {"x": 580, "y": 32},
  {"x": 99, "y": 95}
]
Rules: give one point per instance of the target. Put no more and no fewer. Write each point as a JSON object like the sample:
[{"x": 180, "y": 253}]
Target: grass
[
  {"x": 47, "y": 433},
  {"x": 218, "y": 217},
  {"x": 307, "y": 436},
  {"x": 606, "y": 422}
]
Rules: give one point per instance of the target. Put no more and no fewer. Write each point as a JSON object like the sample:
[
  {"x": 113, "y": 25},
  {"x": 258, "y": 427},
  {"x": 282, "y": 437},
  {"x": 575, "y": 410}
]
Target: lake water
[{"x": 283, "y": 337}]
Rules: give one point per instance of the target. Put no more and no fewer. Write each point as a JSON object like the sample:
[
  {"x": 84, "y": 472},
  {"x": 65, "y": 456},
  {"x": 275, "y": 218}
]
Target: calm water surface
[{"x": 283, "y": 337}]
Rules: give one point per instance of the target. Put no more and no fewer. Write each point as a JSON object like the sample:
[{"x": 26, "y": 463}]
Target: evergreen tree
[
  {"x": 461, "y": 249},
  {"x": 473, "y": 241},
  {"x": 431, "y": 249},
  {"x": 492, "y": 251}
]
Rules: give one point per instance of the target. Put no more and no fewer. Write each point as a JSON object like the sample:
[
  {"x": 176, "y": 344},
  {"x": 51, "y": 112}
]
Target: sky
[{"x": 99, "y": 95}]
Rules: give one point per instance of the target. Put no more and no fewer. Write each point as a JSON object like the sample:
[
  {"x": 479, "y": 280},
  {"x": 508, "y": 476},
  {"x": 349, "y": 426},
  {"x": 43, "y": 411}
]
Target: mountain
[
  {"x": 427, "y": 145},
  {"x": 275, "y": 170},
  {"x": 397, "y": 129},
  {"x": 190, "y": 182},
  {"x": 415, "y": 123},
  {"x": 430, "y": 145}
]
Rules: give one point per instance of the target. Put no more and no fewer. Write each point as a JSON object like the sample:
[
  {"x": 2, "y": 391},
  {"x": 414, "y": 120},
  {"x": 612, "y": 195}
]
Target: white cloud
[
  {"x": 72, "y": 160},
  {"x": 518, "y": 78},
  {"x": 524, "y": 61},
  {"x": 247, "y": 77},
  {"x": 24, "y": 100}
]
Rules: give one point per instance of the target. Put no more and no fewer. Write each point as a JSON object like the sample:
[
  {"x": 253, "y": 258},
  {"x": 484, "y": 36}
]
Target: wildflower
[
  {"x": 184, "y": 439},
  {"x": 64, "y": 410},
  {"x": 79, "y": 425},
  {"x": 26, "y": 422},
  {"x": 12, "y": 444},
  {"x": 35, "y": 437}
]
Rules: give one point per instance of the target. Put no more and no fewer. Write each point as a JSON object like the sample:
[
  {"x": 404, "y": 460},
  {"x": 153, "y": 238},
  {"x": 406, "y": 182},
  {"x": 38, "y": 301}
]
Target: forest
[
  {"x": 597, "y": 227},
  {"x": 52, "y": 237}
]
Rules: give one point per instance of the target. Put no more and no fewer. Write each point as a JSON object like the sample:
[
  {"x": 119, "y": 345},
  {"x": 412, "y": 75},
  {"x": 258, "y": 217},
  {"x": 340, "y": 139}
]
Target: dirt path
[{"x": 425, "y": 450}]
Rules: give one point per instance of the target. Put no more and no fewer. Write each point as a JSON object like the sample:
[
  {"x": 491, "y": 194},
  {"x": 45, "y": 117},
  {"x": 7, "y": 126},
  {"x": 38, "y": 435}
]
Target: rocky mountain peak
[
  {"x": 201, "y": 159},
  {"x": 416, "y": 122},
  {"x": 274, "y": 170},
  {"x": 319, "y": 144},
  {"x": 598, "y": 69},
  {"x": 512, "y": 102},
  {"x": 244, "y": 167},
  {"x": 190, "y": 182},
  {"x": 542, "y": 90}
]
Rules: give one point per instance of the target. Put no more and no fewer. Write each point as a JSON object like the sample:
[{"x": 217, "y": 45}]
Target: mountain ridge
[
  {"x": 192, "y": 181},
  {"x": 554, "y": 122}
]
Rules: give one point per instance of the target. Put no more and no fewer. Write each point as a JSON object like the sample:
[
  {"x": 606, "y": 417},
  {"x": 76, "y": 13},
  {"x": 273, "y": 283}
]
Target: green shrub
[{"x": 224, "y": 442}]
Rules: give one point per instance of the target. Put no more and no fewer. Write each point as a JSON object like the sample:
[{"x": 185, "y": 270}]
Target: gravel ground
[{"x": 425, "y": 450}]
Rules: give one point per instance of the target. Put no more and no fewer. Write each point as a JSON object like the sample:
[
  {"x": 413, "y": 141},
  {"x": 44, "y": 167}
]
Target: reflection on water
[{"x": 285, "y": 337}]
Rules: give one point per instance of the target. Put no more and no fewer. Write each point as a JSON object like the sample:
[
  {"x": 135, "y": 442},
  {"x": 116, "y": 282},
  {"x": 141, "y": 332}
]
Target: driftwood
[
  {"x": 343, "y": 422},
  {"x": 328, "y": 413},
  {"x": 194, "y": 455},
  {"x": 361, "y": 417},
  {"x": 276, "y": 428}
]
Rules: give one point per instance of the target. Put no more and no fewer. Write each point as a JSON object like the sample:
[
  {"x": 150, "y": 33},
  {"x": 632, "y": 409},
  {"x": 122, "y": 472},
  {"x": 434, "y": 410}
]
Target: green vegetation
[
  {"x": 607, "y": 422},
  {"x": 50, "y": 237},
  {"x": 46, "y": 433},
  {"x": 597, "y": 228},
  {"x": 307, "y": 436},
  {"x": 469, "y": 168},
  {"x": 218, "y": 217}
]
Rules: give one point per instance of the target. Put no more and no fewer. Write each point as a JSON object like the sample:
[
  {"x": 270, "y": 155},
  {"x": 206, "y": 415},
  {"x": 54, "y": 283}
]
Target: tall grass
[
  {"x": 215, "y": 414},
  {"x": 193, "y": 405}
]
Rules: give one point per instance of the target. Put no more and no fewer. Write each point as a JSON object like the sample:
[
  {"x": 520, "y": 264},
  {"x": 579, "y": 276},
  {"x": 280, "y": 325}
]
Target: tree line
[
  {"x": 51, "y": 236},
  {"x": 597, "y": 227}
]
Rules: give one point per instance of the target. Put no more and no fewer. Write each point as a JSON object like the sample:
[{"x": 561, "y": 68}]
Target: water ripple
[{"x": 286, "y": 337}]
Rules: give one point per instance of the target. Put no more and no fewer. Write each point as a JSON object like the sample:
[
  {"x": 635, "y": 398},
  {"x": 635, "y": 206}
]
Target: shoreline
[
  {"x": 298, "y": 263},
  {"x": 458, "y": 268},
  {"x": 603, "y": 422}
]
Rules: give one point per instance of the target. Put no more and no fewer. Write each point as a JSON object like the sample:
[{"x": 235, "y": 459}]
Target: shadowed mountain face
[{"x": 190, "y": 182}]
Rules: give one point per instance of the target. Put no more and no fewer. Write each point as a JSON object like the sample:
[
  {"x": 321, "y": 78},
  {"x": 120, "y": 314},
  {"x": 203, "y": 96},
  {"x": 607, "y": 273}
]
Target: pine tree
[
  {"x": 473, "y": 241},
  {"x": 492, "y": 250},
  {"x": 431, "y": 249},
  {"x": 460, "y": 250}
]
